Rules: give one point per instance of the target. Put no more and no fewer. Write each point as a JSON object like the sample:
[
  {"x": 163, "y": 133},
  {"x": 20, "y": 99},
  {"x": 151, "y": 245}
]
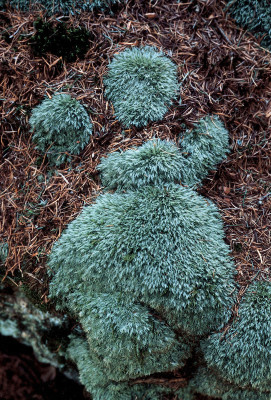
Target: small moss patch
[{"x": 59, "y": 39}]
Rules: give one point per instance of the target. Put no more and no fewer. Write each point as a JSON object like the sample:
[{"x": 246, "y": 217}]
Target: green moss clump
[
  {"x": 61, "y": 127},
  {"x": 160, "y": 162},
  {"x": 206, "y": 383},
  {"x": 93, "y": 374},
  {"x": 204, "y": 147},
  {"x": 239, "y": 394},
  {"x": 3, "y": 252},
  {"x": 243, "y": 354},
  {"x": 59, "y": 39},
  {"x": 64, "y": 7},
  {"x": 144, "y": 240},
  {"x": 139, "y": 264},
  {"x": 255, "y": 16},
  {"x": 154, "y": 163},
  {"x": 141, "y": 83}
]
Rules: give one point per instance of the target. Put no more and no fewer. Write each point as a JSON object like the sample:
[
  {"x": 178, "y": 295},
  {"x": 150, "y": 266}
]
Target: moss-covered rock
[
  {"x": 42, "y": 331},
  {"x": 242, "y": 355}
]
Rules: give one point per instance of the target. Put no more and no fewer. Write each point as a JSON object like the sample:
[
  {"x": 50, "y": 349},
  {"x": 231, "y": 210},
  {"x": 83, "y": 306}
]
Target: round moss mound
[
  {"x": 162, "y": 246},
  {"x": 3, "y": 252},
  {"x": 160, "y": 162},
  {"x": 139, "y": 265},
  {"x": 160, "y": 243},
  {"x": 243, "y": 354},
  {"x": 206, "y": 383},
  {"x": 61, "y": 127},
  {"x": 239, "y": 394},
  {"x": 141, "y": 83},
  {"x": 154, "y": 163}
]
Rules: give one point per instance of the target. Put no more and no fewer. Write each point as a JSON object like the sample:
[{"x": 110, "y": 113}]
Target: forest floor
[
  {"x": 222, "y": 70},
  {"x": 22, "y": 377}
]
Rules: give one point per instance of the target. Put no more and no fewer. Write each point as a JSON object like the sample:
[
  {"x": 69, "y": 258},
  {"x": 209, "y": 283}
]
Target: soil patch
[{"x": 22, "y": 377}]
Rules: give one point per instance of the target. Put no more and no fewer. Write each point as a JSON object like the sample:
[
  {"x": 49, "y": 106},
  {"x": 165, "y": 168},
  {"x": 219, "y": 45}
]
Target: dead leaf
[{"x": 226, "y": 189}]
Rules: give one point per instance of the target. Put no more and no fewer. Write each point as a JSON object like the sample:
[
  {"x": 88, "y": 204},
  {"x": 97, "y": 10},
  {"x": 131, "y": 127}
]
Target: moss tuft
[
  {"x": 255, "y": 16},
  {"x": 59, "y": 39},
  {"x": 243, "y": 354},
  {"x": 61, "y": 127},
  {"x": 141, "y": 83}
]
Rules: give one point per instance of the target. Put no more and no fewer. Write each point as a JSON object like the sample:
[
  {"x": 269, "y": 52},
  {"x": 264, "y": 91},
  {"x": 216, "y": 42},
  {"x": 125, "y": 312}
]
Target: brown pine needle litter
[{"x": 222, "y": 71}]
